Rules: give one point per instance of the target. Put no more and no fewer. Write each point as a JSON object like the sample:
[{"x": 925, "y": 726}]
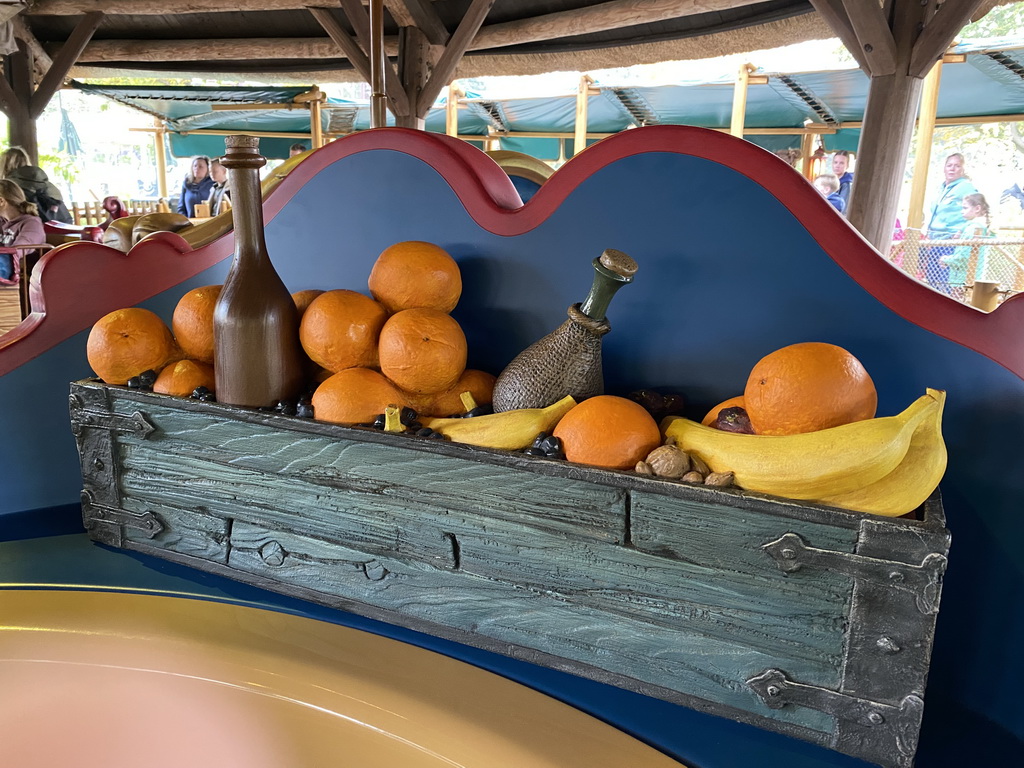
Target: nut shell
[{"x": 668, "y": 461}]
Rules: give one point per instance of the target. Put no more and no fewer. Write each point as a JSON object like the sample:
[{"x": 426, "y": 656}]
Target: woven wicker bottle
[
  {"x": 255, "y": 323},
  {"x": 568, "y": 360}
]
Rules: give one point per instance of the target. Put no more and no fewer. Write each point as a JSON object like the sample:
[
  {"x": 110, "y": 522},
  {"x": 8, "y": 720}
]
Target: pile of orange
[
  {"x": 803, "y": 388},
  {"x": 399, "y": 347}
]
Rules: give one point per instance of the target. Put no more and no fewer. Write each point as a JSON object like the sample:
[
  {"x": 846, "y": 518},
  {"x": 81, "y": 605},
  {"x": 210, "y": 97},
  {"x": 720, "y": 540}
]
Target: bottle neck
[
  {"x": 606, "y": 283},
  {"x": 247, "y": 214}
]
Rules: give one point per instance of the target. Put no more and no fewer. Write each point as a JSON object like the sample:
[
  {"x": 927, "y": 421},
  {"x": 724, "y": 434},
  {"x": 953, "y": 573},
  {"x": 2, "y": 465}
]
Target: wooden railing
[{"x": 91, "y": 212}]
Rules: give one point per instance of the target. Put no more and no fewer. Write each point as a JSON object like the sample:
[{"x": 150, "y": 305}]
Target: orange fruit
[
  {"x": 416, "y": 274},
  {"x": 192, "y": 322},
  {"x": 479, "y": 384},
  {"x": 354, "y": 396},
  {"x": 339, "y": 330},
  {"x": 806, "y": 387},
  {"x": 732, "y": 402},
  {"x": 422, "y": 350},
  {"x": 181, "y": 378},
  {"x": 608, "y": 431},
  {"x": 303, "y": 299},
  {"x": 127, "y": 342}
]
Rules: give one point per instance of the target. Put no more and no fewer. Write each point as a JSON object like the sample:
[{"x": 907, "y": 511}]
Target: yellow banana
[
  {"x": 808, "y": 465},
  {"x": 906, "y": 487},
  {"x": 508, "y": 430}
]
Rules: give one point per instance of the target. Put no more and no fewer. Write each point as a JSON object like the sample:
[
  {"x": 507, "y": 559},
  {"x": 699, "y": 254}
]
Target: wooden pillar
[
  {"x": 451, "y": 114},
  {"x": 580, "y": 132},
  {"x": 739, "y": 101},
  {"x": 21, "y": 127},
  {"x": 884, "y": 145},
  {"x": 807, "y": 154},
  {"x": 925, "y": 135},
  {"x": 416, "y": 58},
  {"x": 160, "y": 144}
]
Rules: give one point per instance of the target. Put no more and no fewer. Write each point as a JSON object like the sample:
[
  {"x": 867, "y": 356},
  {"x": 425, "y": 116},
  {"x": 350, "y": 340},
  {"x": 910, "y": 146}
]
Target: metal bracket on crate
[
  {"x": 791, "y": 553},
  {"x": 903, "y": 721},
  {"x": 135, "y": 424},
  {"x": 145, "y": 522}
]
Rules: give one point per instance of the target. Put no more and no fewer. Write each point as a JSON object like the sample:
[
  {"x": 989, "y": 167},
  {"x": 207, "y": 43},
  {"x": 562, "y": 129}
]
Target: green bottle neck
[{"x": 606, "y": 283}]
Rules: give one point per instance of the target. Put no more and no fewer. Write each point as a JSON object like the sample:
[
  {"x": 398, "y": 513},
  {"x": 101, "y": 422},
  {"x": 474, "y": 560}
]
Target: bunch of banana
[
  {"x": 508, "y": 430},
  {"x": 811, "y": 465},
  {"x": 906, "y": 487}
]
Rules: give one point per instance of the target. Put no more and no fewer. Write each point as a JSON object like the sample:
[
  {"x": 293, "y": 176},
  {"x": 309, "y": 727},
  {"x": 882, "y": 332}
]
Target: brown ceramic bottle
[
  {"x": 568, "y": 360},
  {"x": 255, "y": 323}
]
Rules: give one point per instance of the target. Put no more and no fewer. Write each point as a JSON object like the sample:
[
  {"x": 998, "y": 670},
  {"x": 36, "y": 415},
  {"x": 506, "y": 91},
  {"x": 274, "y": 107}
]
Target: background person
[
  {"x": 945, "y": 220},
  {"x": 115, "y": 210},
  {"x": 828, "y": 185},
  {"x": 979, "y": 225},
  {"x": 296, "y": 149},
  {"x": 220, "y": 190},
  {"x": 196, "y": 187},
  {"x": 840, "y": 167},
  {"x": 15, "y": 165},
  {"x": 19, "y": 225}
]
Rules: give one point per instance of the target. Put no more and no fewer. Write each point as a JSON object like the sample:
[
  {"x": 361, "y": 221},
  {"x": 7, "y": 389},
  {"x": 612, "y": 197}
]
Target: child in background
[
  {"x": 976, "y": 210},
  {"x": 828, "y": 185}
]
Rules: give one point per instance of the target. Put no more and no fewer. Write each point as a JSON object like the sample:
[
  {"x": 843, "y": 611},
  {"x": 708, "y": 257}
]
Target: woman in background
[
  {"x": 196, "y": 187},
  {"x": 16, "y": 166},
  {"x": 946, "y": 220},
  {"x": 19, "y": 225}
]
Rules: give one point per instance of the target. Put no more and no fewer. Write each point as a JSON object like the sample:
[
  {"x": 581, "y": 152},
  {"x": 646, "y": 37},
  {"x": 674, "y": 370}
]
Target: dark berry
[
  {"x": 199, "y": 391},
  {"x": 135, "y": 383},
  {"x": 531, "y": 451},
  {"x": 734, "y": 419},
  {"x": 539, "y": 439},
  {"x": 304, "y": 410},
  {"x": 437, "y": 436},
  {"x": 285, "y": 407},
  {"x": 551, "y": 444},
  {"x": 378, "y": 423},
  {"x": 424, "y": 432},
  {"x": 407, "y": 416},
  {"x": 148, "y": 378},
  {"x": 306, "y": 398},
  {"x": 412, "y": 426},
  {"x": 480, "y": 410},
  {"x": 209, "y": 397}
]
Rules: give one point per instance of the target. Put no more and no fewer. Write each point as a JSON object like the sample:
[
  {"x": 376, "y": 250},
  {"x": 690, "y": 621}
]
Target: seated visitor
[
  {"x": 19, "y": 225},
  {"x": 196, "y": 187},
  {"x": 16, "y": 166},
  {"x": 840, "y": 164},
  {"x": 828, "y": 185},
  {"x": 296, "y": 149},
  {"x": 220, "y": 191},
  {"x": 115, "y": 210}
]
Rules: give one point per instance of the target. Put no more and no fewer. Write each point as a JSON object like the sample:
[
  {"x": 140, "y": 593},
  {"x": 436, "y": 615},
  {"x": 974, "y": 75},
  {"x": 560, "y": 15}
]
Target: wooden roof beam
[
  {"x": 40, "y": 57},
  {"x": 422, "y": 15},
  {"x": 938, "y": 32},
  {"x": 359, "y": 18},
  {"x": 837, "y": 17},
  {"x": 62, "y": 63},
  {"x": 444, "y": 69},
  {"x": 221, "y": 49},
  {"x": 871, "y": 26}
]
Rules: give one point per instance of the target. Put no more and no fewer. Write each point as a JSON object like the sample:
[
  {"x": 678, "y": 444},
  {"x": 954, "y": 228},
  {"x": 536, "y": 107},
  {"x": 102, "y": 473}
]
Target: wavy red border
[{"x": 101, "y": 279}]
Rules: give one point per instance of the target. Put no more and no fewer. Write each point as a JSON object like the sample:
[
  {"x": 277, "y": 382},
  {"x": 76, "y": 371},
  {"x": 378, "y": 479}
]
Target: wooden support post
[
  {"x": 16, "y": 94},
  {"x": 739, "y": 101},
  {"x": 314, "y": 99},
  {"x": 582, "y": 97},
  {"x": 807, "y": 154},
  {"x": 378, "y": 98},
  {"x": 451, "y": 114},
  {"x": 160, "y": 144},
  {"x": 415, "y": 60},
  {"x": 925, "y": 135},
  {"x": 884, "y": 145}
]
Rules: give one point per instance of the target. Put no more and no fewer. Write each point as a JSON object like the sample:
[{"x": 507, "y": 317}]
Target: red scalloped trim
[{"x": 492, "y": 201}]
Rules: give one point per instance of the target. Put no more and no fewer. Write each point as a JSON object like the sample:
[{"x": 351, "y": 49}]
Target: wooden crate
[{"x": 805, "y": 620}]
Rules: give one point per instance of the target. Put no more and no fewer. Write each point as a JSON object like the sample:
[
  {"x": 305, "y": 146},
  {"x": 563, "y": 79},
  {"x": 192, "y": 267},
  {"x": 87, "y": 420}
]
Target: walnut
[
  {"x": 720, "y": 479},
  {"x": 643, "y": 468},
  {"x": 668, "y": 461},
  {"x": 693, "y": 477},
  {"x": 699, "y": 465}
]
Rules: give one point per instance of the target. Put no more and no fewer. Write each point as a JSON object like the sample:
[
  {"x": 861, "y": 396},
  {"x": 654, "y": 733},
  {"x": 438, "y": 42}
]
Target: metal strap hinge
[
  {"x": 791, "y": 553},
  {"x": 135, "y": 424},
  {"x": 145, "y": 522},
  {"x": 776, "y": 690}
]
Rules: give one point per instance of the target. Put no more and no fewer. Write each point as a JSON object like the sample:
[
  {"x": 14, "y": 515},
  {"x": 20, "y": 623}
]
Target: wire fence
[{"x": 963, "y": 269}]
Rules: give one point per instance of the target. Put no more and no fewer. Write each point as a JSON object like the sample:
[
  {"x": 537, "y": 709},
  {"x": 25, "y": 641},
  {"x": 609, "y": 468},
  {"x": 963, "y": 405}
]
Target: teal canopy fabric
[{"x": 990, "y": 81}]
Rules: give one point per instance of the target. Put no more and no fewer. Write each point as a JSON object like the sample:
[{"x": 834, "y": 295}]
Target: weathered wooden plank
[
  {"x": 674, "y": 658},
  {"x": 188, "y": 531},
  {"x": 761, "y": 608},
  {"x": 576, "y": 507}
]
